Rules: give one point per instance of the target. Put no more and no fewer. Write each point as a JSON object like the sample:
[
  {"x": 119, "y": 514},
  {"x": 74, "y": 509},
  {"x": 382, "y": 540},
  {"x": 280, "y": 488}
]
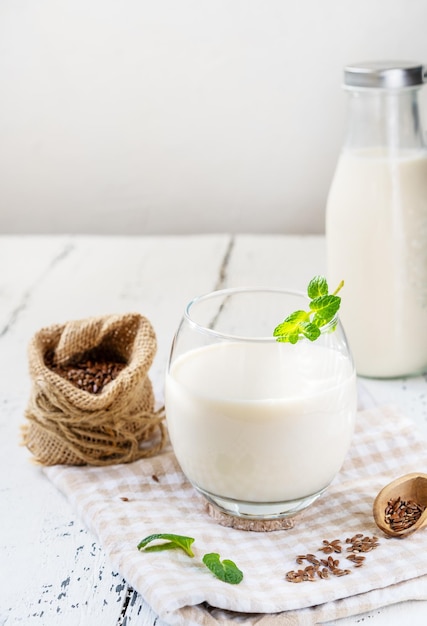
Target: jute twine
[{"x": 68, "y": 425}]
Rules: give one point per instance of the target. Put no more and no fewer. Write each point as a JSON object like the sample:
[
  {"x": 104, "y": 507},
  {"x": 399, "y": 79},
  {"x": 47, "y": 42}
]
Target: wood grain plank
[
  {"x": 53, "y": 571},
  {"x": 45, "y": 550},
  {"x": 24, "y": 261}
]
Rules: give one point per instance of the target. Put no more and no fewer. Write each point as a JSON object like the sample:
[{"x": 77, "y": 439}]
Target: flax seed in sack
[{"x": 92, "y": 401}]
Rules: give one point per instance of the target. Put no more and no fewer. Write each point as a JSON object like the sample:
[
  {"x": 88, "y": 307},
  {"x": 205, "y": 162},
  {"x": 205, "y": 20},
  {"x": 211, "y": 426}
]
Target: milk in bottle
[{"x": 376, "y": 221}]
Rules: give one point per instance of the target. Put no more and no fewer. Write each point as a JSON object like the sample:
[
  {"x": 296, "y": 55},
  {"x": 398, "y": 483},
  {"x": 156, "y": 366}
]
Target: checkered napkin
[{"x": 122, "y": 504}]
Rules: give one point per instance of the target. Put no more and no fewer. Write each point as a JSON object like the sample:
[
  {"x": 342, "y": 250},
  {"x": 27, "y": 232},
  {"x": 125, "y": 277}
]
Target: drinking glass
[{"x": 259, "y": 427}]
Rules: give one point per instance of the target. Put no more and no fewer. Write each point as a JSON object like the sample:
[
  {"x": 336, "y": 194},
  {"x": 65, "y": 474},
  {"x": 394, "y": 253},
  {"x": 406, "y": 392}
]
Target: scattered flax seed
[
  {"x": 311, "y": 558},
  {"x": 402, "y": 514},
  {"x": 302, "y": 575},
  {"x": 341, "y": 572},
  {"x": 155, "y": 478},
  {"x": 359, "y": 543},
  {"x": 323, "y": 568},
  {"x": 330, "y": 562},
  {"x": 357, "y": 560},
  {"x": 331, "y": 546},
  {"x": 294, "y": 577},
  {"x": 124, "y": 499}
]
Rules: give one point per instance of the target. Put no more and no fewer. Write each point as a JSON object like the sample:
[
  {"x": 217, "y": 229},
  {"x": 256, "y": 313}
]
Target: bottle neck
[{"x": 386, "y": 120}]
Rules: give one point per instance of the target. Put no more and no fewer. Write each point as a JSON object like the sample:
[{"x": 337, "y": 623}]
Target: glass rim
[{"x": 229, "y": 291}]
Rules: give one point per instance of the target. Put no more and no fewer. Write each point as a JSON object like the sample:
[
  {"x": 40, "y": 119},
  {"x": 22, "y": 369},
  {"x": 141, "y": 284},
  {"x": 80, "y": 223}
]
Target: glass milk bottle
[{"x": 376, "y": 221}]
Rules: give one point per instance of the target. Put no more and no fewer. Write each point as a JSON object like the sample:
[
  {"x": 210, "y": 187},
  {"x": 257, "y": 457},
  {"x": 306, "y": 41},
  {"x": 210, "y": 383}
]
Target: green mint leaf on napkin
[
  {"x": 323, "y": 308},
  {"x": 172, "y": 542},
  {"x": 225, "y": 570}
]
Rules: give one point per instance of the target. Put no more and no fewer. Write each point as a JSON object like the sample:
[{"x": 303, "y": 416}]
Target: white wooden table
[{"x": 51, "y": 569}]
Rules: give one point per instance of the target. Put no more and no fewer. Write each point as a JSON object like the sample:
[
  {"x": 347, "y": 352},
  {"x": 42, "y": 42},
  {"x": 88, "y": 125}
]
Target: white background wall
[{"x": 173, "y": 116}]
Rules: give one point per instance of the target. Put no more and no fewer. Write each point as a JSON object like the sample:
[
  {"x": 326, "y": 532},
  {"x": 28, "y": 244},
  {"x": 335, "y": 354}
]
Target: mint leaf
[
  {"x": 318, "y": 286},
  {"x": 323, "y": 308},
  {"x": 225, "y": 570},
  {"x": 173, "y": 542},
  {"x": 310, "y": 330},
  {"x": 290, "y": 328}
]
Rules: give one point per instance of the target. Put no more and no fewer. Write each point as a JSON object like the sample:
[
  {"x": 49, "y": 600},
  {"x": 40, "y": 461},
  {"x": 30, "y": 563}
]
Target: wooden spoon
[{"x": 411, "y": 487}]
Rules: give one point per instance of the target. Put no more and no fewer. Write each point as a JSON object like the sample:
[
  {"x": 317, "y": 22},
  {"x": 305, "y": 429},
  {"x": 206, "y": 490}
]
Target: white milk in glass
[
  {"x": 377, "y": 241},
  {"x": 261, "y": 422}
]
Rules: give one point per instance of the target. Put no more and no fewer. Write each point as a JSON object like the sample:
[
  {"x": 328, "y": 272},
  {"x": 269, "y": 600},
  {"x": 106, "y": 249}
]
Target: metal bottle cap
[{"x": 385, "y": 74}]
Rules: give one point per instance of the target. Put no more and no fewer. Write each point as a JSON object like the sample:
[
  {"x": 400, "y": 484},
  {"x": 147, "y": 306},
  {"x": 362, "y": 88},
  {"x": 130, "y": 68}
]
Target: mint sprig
[
  {"x": 323, "y": 308},
  {"x": 172, "y": 542},
  {"x": 225, "y": 570}
]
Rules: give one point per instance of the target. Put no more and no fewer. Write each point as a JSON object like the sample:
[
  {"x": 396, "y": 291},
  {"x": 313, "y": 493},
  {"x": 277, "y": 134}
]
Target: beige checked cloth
[{"x": 122, "y": 504}]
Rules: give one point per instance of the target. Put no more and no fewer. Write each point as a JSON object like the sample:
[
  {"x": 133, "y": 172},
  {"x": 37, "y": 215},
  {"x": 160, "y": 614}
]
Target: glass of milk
[{"x": 259, "y": 427}]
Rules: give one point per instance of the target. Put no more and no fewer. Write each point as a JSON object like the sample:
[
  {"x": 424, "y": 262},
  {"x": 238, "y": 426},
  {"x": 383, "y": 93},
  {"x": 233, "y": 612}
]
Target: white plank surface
[
  {"x": 52, "y": 571},
  {"x": 45, "y": 550}
]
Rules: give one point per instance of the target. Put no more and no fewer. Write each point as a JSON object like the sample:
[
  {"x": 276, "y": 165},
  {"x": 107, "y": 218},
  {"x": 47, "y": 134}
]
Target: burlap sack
[{"x": 68, "y": 425}]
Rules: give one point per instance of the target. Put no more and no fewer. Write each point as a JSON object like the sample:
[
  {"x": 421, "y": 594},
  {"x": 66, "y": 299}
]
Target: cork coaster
[{"x": 240, "y": 523}]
